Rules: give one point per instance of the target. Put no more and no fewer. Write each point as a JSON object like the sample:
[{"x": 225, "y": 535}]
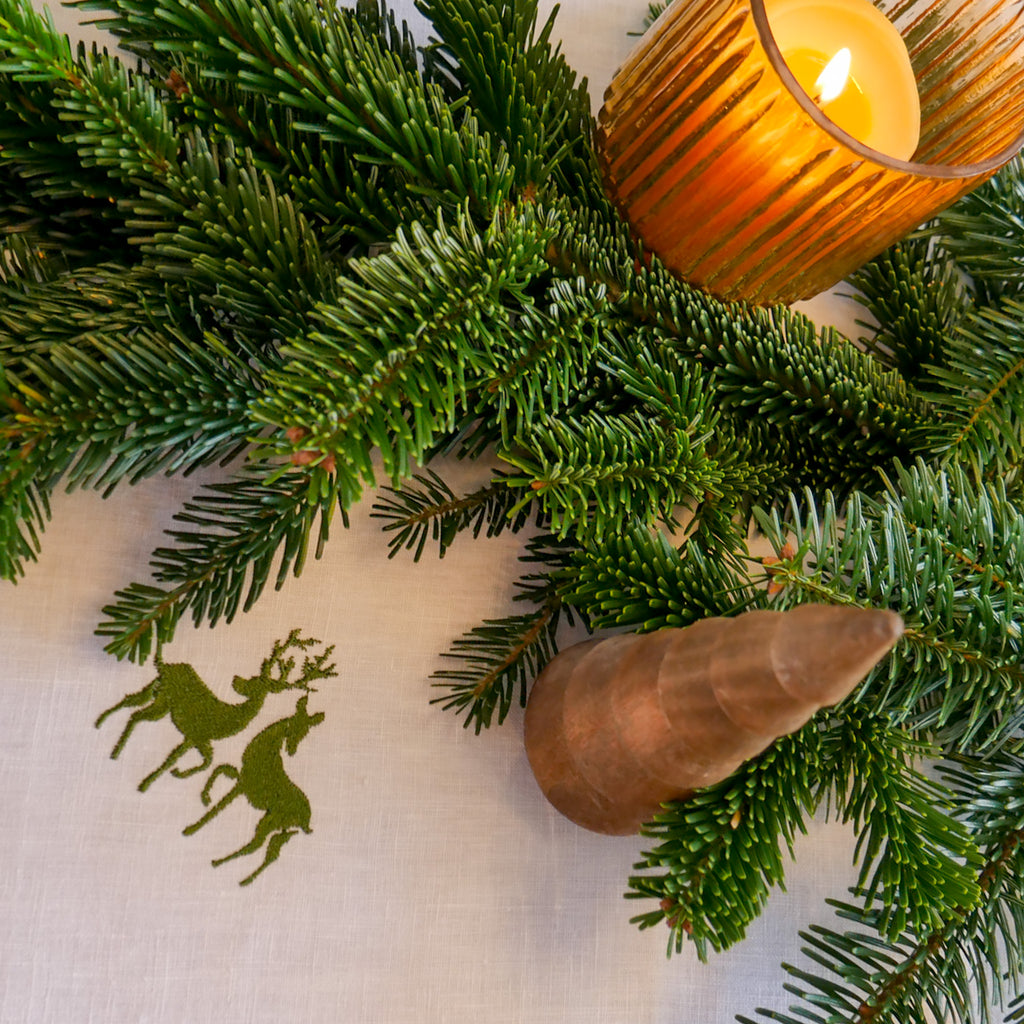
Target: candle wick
[{"x": 833, "y": 78}]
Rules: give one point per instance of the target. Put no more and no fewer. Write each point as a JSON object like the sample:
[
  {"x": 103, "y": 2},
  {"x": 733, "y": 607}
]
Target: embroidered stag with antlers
[{"x": 200, "y": 716}]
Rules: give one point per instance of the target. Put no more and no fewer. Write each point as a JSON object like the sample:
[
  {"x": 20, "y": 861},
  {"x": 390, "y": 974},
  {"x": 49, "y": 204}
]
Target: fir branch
[
  {"x": 803, "y": 380},
  {"x": 360, "y": 204},
  {"x": 25, "y": 266},
  {"x": 24, "y": 502},
  {"x": 51, "y": 304},
  {"x": 917, "y": 862},
  {"x": 224, "y": 565},
  {"x": 945, "y": 974},
  {"x": 592, "y": 475},
  {"x": 501, "y": 656},
  {"x": 342, "y": 83},
  {"x": 39, "y": 157},
  {"x": 254, "y": 122},
  {"x": 666, "y": 450},
  {"x": 540, "y": 370},
  {"x": 347, "y": 201},
  {"x": 121, "y": 124},
  {"x": 69, "y": 231},
  {"x": 397, "y": 357},
  {"x": 432, "y": 511},
  {"x": 33, "y": 49},
  {"x": 251, "y": 254},
  {"x": 541, "y": 365},
  {"x": 673, "y": 390},
  {"x": 105, "y": 410},
  {"x": 378, "y": 21},
  {"x": 983, "y": 232},
  {"x": 636, "y": 578},
  {"x": 47, "y": 197},
  {"x": 917, "y": 296},
  {"x": 47, "y": 192},
  {"x": 978, "y": 401},
  {"x": 225, "y": 113},
  {"x": 719, "y": 853},
  {"x": 835, "y": 412},
  {"x": 519, "y": 86},
  {"x": 667, "y": 386},
  {"x": 947, "y": 556}
]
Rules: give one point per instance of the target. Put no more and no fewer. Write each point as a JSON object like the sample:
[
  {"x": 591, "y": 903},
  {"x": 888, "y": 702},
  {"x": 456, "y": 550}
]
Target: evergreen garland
[{"x": 290, "y": 233}]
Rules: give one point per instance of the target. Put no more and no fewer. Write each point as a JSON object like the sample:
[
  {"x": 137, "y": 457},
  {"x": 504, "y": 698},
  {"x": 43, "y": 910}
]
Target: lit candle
[
  {"x": 876, "y": 101},
  {"x": 740, "y": 184}
]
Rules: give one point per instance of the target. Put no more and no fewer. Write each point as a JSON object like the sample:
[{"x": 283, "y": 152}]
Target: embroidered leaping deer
[
  {"x": 200, "y": 716},
  {"x": 261, "y": 778}
]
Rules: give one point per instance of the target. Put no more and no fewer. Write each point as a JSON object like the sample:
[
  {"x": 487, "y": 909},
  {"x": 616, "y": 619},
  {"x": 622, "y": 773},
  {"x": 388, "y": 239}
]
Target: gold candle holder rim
[{"x": 924, "y": 170}]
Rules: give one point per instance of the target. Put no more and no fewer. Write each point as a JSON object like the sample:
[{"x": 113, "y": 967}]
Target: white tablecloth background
[{"x": 437, "y": 885}]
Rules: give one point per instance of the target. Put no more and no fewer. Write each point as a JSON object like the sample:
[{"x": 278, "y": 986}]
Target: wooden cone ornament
[{"x": 617, "y": 727}]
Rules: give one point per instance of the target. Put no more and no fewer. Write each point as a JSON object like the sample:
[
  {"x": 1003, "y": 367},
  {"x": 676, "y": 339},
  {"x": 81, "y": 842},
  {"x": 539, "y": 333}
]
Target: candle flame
[{"x": 832, "y": 80}]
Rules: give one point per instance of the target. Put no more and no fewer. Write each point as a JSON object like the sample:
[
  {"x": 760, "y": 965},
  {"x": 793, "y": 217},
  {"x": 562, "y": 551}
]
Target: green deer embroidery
[
  {"x": 262, "y": 780},
  {"x": 200, "y": 716}
]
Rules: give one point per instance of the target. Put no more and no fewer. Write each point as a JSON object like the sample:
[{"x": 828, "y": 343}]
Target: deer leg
[
  {"x": 222, "y": 769},
  {"x": 206, "y": 750},
  {"x": 171, "y": 758},
  {"x": 219, "y": 806},
  {"x": 131, "y": 700},
  {"x": 153, "y": 713},
  {"x": 263, "y": 829},
  {"x": 273, "y": 852}
]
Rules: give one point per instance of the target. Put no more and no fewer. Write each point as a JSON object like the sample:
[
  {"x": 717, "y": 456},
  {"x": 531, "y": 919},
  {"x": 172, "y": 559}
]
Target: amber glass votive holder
[{"x": 732, "y": 176}]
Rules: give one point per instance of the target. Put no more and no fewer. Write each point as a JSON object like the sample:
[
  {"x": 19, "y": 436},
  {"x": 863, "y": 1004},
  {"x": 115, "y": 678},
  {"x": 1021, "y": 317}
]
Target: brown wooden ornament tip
[{"x": 617, "y": 727}]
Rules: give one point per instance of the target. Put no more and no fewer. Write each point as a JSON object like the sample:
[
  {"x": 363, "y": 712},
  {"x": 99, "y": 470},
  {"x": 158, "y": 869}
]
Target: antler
[
  {"x": 316, "y": 668},
  {"x": 312, "y": 667}
]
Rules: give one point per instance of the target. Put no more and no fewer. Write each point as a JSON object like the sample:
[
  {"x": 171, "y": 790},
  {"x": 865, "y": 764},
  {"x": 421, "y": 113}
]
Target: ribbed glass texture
[{"x": 728, "y": 171}]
